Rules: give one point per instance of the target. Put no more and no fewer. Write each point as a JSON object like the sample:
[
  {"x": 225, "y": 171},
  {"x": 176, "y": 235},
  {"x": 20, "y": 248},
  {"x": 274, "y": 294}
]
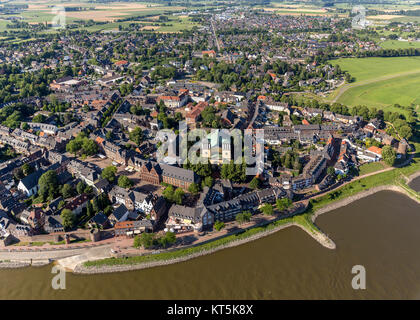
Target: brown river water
[
  {"x": 380, "y": 232},
  {"x": 415, "y": 184}
]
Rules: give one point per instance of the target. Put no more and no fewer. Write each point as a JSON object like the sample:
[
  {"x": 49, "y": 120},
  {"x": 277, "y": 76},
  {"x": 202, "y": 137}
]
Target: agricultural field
[
  {"x": 380, "y": 82},
  {"x": 42, "y": 12},
  {"x": 294, "y": 9},
  {"x": 396, "y": 44}
]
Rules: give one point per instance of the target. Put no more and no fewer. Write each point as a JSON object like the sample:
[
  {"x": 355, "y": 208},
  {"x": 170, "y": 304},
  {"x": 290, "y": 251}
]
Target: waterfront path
[{"x": 42, "y": 256}]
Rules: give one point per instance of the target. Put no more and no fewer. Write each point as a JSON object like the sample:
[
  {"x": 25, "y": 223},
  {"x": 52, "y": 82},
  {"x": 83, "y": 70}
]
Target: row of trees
[
  {"x": 82, "y": 145},
  {"x": 149, "y": 240},
  {"x": 173, "y": 195}
]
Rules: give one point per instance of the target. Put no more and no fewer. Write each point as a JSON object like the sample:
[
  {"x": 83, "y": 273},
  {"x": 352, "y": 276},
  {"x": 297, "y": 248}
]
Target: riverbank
[
  {"x": 83, "y": 269},
  {"x": 305, "y": 222},
  {"x": 13, "y": 264},
  {"x": 7, "y": 264},
  {"x": 101, "y": 262},
  {"x": 358, "y": 196},
  {"x": 412, "y": 177}
]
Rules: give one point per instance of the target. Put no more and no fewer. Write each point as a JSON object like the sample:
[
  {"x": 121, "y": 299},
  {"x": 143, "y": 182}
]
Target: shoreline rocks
[{"x": 13, "y": 264}]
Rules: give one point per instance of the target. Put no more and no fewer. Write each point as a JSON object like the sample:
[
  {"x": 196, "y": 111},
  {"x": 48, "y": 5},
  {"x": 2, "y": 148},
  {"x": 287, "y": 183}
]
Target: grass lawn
[
  {"x": 384, "y": 94},
  {"x": 371, "y": 167},
  {"x": 385, "y": 178},
  {"x": 380, "y": 82},
  {"x": 371, "y": 68},
  {"x": 395, "y": 44}
]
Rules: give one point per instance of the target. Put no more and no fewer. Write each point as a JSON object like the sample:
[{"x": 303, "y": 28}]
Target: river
[
  {"x": 415, "y": 184},
  {"x": 380, "y": 232}
]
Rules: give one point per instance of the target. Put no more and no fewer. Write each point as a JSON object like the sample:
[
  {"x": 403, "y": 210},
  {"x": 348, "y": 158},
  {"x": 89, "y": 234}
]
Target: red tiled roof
[
  {"x": 121, "y": 62},
  {"x": 99, "y": 140},
  {"x": 375, "y": 150}
]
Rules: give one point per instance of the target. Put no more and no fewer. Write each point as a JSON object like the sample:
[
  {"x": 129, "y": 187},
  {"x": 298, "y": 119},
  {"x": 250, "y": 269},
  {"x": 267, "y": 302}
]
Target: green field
[
  {"x": 380, "y": 82},
  {"x": 370, "y": 167},
  {"x": 109, "y": 13},
  {"x": 395, "y": 44}
]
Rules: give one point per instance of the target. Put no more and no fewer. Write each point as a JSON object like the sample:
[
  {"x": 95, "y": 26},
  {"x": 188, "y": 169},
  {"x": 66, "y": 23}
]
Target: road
[{"x": 215, "y": 36}]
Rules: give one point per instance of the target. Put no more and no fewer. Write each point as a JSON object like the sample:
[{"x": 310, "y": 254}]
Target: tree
[
  {"x": 67, "y": 191},
  {"x": 283, "y": 204},
  {"x": 74, "y": 146},
  {"x": 39, "y": 118},
  {"x": 243, "y": 217},
  {"x": 102, "y": 201},
  {"x": 69, "y": 219},
  {"x": 89, "y": 210},
  {"x": 405, "y": 131},
  {"x": 82, "y": 142},
  {"x": 168, "y": 193},
  {"x": 137, "y": 135},
  {"x": 219, "y": 225},
  {"x": 89, "y": 147},
  {"x": 147, "y": 240},
  {"x": 178, "y": 195},
  {"x": 137, "y": 242},
  {"x": 88, "y": 189},
  {"x": 80, "y": 187},
  {"x": 194, "y": 188},
  {"x": 95, "y": 204},
  {"x": 125, "y": 182},
  {"x": 331, "y": 171},
  {"x": 207, "y": 182},
  {"x": 24, "y": 126},
  {"x": 27, "y": 169},
  {"x": 168, "y": 239},
  {"x": 108, "y": 173},
  {"x": 18, "y": 173},
  {"x": 48, "y": 185},
  {"x": 267, "y": 209},
  {"x": 389, "y": 155},
  {"x": 61, "y": 204},
  {"x": 255, "y": 183}
]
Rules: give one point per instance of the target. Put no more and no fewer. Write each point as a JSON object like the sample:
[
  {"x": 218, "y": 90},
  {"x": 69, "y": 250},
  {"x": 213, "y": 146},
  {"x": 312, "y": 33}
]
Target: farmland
[
  {"x": 380, "y": 82},
  {"x": 109, "y": 15}
]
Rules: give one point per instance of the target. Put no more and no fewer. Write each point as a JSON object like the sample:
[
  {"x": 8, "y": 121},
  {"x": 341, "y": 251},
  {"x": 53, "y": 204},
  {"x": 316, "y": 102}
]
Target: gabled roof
[
  {"x": 120, "y": 212},
  {"x": 31, "y": 180}
]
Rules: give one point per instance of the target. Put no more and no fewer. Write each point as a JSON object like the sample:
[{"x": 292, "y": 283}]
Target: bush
[
  {"x": 125, "y": 182},
  {"x": 267, "y": 209},
  {"x": 219, "y": 225}
]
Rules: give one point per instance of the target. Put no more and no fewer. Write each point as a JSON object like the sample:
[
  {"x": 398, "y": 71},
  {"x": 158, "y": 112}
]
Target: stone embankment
[
  {"x": 318, "y": 236},
  {"x": 80, "y": 268},
  {"x": 10, "y": 264},
  {"x": 75, "y": 262}
]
